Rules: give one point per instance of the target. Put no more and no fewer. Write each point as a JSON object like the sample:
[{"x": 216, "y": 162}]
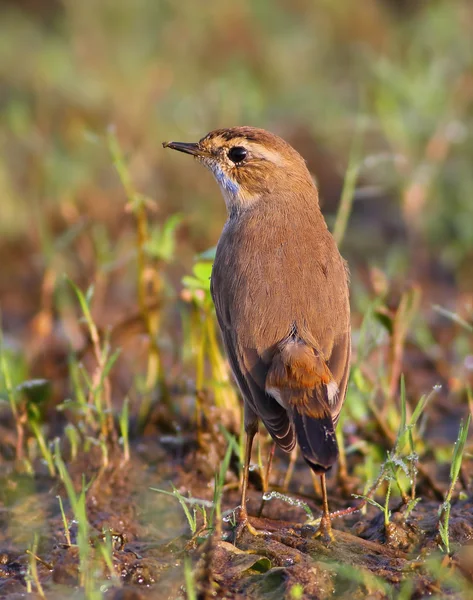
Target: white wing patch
[
  {"x": 332, "y": 392},
  {"x": 276, "y": 394}
]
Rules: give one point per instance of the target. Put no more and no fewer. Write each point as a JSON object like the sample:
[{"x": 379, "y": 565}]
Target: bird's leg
[
  {"x": 290, "y": 469},
  {"x": 266, "y": 477},
  {"x": 316, "y": 484},
  {"x": 243, "y": 522},
  {"x": 246, "y": 472},
  {"x": 325, "y": 527}
]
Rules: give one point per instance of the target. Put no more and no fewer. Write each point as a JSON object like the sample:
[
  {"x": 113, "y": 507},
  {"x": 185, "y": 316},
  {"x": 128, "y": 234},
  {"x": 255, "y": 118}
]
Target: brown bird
[{"x": 280, "y": 289}]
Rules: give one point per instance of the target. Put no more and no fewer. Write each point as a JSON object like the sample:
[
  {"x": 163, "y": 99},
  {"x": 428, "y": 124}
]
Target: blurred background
[
  {"x": 157, "y": 70},
  {"x": 377, "y": 98}
]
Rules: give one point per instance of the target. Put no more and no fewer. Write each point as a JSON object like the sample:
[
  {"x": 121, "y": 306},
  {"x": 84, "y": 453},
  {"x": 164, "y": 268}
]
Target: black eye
[{"x": 237, "y": 154}]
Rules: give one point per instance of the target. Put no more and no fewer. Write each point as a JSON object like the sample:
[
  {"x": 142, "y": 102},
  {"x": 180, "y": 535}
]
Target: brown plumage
[{"x": 280, "y": 289}]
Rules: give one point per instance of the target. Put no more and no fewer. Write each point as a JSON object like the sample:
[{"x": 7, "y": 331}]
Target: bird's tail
[
  {"x": 316, "y": 438},
  {"x": 300, "y": 380}
]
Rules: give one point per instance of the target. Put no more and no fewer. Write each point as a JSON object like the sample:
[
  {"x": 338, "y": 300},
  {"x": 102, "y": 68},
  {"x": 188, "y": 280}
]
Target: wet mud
[{"x": 152, "y": 545}]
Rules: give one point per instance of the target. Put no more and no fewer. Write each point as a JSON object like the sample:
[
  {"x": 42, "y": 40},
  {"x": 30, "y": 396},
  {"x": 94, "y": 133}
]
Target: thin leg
[
  {"x": 325, "y": 528},
  {"x": 290, "y": 469},
  {"x": 266, "y": 477},
  {"x": 316, "y": 484},
  {"x": 251, "y": 427},
  {"x": 250, "y": 434},
  {"x": 323, "y": 485}
]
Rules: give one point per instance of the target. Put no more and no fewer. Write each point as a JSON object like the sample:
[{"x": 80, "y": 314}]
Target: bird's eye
[{"x": 237, "y": 154}]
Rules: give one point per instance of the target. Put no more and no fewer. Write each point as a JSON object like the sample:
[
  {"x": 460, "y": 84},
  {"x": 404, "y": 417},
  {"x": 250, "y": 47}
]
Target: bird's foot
[
  {"x": 324, "y": 532},
  {"x": 243, "y": 524}
]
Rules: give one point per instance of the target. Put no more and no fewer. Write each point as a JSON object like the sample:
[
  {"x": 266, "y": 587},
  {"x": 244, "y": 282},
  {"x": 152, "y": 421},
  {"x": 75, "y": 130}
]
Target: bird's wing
[
  {"x": 339, "y": 365},
  {"x": 327, "y": 321},
  {"x": 250, "y": 373},
  {"x": 273, "y": 415}
]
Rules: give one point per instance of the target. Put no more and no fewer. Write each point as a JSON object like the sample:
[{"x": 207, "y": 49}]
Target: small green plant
[
  {"x": 201, "y": 333},
  {"x": 443, "y": 576},
  {"x": 237, "y": 444},
  {"x": 215, "y": 519},
  {"x": 104, "y": 545},
  {"x": 93, "y": 392},
  {"x": 79, "y": 511},
  {"x": 31, "y": 395},
  {"x": 72, "y": 434},
  {"x": 35, "y": 393},
  {"x": 26, "y": 400},
  {"x": 191, "y": 591},
  {"x": 198, "y": 507},
  {"x": 91, "y": 548},
  {"x": 154, "y": 248},
  {"x": 12, "y": 396},
  {"x": 398, "y": 463},
  {"x": 99, "y": 392},
  {"x": 349, "y": 185},
  {"x": 65, "y": 523},
  {"x": 32, "y": 574},
  {"x": 399, "y": 328},
  {"x": 211, "y": 520},
  {"x": 444, "y": 510},
  {"x": 356, "y": 575},
  {"x": 124, "y": 422}
]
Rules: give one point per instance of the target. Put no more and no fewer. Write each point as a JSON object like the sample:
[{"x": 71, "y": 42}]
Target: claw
[
  {"x": 325, "y": 530},
  {"x": 243, "y": 524}
]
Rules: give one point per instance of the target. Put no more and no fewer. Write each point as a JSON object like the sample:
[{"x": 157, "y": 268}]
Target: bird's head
[{"x": 248, "y": 164}]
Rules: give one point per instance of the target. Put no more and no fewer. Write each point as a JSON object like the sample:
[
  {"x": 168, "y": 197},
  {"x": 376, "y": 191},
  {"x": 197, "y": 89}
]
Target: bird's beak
[{"x": 188, "y": 148}]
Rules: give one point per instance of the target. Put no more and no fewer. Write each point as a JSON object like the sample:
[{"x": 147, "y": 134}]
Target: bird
[{"x": 281, "y": 294}]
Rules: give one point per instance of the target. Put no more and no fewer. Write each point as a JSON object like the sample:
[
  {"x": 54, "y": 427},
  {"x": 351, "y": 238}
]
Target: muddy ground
[{"x": 151, "y": 538}]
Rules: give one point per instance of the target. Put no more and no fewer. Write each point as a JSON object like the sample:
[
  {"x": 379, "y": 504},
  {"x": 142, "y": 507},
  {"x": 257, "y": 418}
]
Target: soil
[{"x": 151, "y": 538}]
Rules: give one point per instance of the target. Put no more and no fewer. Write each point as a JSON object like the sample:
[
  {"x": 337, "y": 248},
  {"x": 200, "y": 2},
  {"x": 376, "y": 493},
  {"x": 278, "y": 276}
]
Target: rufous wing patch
[{"x": 295, "y": 373}]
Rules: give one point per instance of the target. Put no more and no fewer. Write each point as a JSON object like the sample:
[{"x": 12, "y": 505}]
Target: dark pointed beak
[{"x": 193, "y": 149}]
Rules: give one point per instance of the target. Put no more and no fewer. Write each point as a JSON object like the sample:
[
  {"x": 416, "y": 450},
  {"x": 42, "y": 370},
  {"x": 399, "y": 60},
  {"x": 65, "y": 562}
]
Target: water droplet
[
  {"x": 400, "y": 463},
  {"x": 230, "y": 515}
]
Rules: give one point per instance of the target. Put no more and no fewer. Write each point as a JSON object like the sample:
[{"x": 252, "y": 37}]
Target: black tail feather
[{"x": 317, "y": 440}]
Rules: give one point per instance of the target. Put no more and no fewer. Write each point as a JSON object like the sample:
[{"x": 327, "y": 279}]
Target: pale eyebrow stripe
[{"x": 259, "y": 150}]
